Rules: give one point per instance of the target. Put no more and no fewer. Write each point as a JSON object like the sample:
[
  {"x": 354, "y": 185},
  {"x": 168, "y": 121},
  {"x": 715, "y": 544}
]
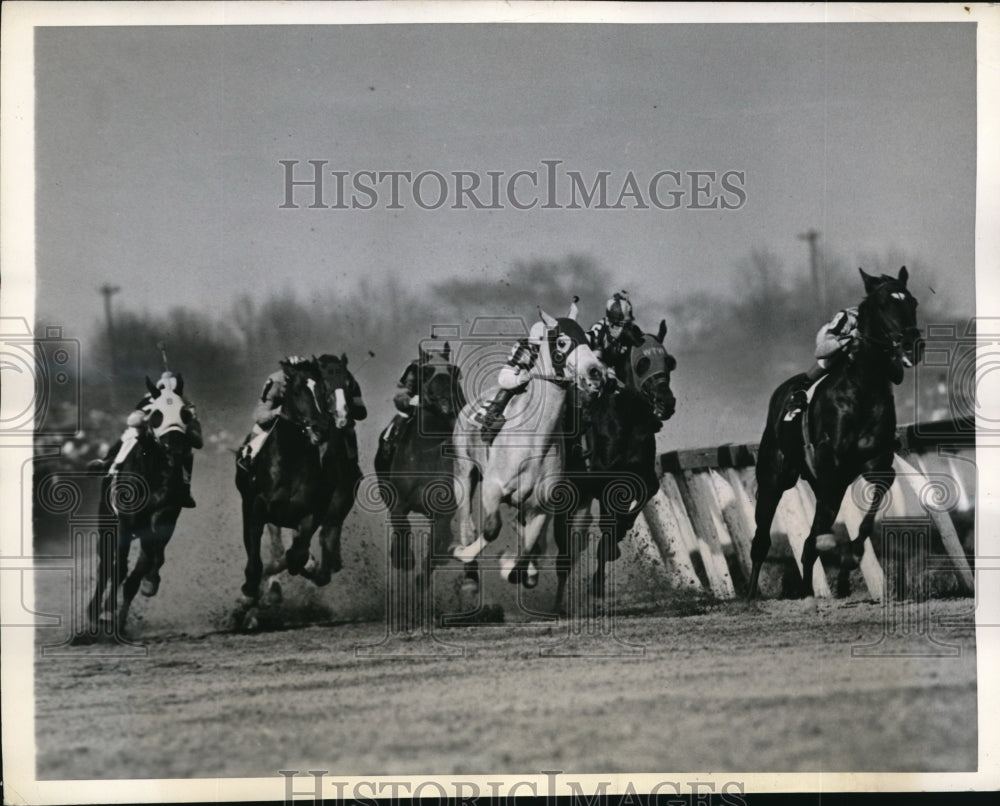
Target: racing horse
[
  {"x": 621, "y": 425},
  {"x": 524, "y": 464},
  {"x": 304, "y": 476},
  {"x": 143, "y": 496},
  {"x": 417, "y": 477},
  {"x": 848, "y": 428}
]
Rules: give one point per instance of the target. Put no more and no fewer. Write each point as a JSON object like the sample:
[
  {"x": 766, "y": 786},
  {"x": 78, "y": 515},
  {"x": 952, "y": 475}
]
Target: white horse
[{"x": 524, "y": 464}]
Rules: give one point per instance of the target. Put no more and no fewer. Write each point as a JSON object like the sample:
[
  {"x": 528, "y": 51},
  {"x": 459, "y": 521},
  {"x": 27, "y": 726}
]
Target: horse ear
[
  {"x": 573, "y": 310},
  {"x": 662, "y": 332},
  {"x": 904, "y": 275},
  {"x": 343, "y": 358},
  {"x": 179, "y": 384},
  {"x": 446, "y": 352},
  {"x": 870, "y": 282},
  {"x": 152, "y": 387},
  {"x": 550, "y": 322}
]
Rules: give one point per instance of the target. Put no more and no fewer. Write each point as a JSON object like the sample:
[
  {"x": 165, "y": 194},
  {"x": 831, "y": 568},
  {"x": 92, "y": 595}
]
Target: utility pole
[
  {"x": 819, "y": 288},
  {"x": 108, "y": 290}
]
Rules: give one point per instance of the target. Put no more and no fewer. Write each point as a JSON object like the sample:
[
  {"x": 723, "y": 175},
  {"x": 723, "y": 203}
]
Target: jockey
[
  {"x": 513, "y": 379},
  {"x": 266, "y": 411},
  {"x": 837, "y": 340},
  {"x": 139, "y": 418},
  {"x": 605, "y": 336},
  {"x": 406, "y": 400}
]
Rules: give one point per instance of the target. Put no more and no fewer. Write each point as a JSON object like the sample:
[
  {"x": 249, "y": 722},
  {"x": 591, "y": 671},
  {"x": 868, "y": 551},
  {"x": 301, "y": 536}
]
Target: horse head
[
  {"x": 569, "y": 356},
  {"x": 305, "y": 400},
  {"x": 887, "y": 321},
  {"x": 440, "y": 383},
  {"x": 341, "y": 387},
  {"x": 649, "y": 371}
]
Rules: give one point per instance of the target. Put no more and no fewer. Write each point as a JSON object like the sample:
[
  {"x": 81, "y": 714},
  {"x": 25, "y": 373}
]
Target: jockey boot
[
  {"x": 104, "y": 465},
  {"x": 795, "y": 404},
  {"x": 186, "y": 500},
  {"x": 797, "y": 400},
  {"x": 492, "y": 419},
  {"x": 243, "y": 458}
]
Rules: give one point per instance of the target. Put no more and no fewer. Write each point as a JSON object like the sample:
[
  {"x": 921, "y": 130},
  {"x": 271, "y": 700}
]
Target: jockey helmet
[
  {"x": 167, "y": 382},
  {"x": 618, "y": 310}
]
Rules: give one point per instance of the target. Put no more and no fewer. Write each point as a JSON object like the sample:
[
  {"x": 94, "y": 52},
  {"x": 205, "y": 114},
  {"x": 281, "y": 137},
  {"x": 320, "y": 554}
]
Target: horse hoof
[
  {"x": 531, "y": 576},
  {"x": 251, "y": 622},
  {"x": 809, "y": 604},
  {"x": 507, "y": 568},
  {"x": 149, "y": 587},
  {"x": 82, "y": 639},
  {"x": 469, "y": 587}
]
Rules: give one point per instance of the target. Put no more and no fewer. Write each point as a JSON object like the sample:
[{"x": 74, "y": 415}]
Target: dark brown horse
[
  {"x": 621, "y": 426},
  {"x": 851, "y": 425},
  {"x": 304, "y": 476},
  {"x": 144, "y": 495},
  {"x": 418, "y": 475}
]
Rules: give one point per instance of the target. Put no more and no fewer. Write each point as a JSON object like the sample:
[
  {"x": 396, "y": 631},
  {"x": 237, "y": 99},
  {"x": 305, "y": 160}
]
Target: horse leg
[
  {"x": 490, "y": 527},
  {"x": 827, "y": 506},
  {"x": 400, "y": 545},
  {"x": 564, "y": 559},
  {"x": 105, "y": 568},
  {"x": 774, "y": 476},
  {"x": 607, "y": 551},
  {"x": 298, "y": 556},
  {"x": 524, "y": 569},
  {"x": 274, "y": 564},
  {"x": 330, "y": 532},
  {"x": 253, "y": 528},
  {"x": 131, "y": 585},
  {"x": 155, "y": 548},
  {"x": 117, "y": 558},
  {"x": 880, "y": 475}
]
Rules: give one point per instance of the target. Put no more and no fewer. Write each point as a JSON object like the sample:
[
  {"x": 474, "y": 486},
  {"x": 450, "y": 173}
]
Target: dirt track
[{"x": 773, "y": 687}]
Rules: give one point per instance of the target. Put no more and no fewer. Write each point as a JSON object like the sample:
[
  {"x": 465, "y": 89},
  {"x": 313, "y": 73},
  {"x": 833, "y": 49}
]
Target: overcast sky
[{"x": 158, "y": 152}]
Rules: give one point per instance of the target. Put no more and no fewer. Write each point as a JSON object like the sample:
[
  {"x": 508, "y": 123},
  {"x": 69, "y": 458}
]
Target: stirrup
[{"x": 243, "y": 460}]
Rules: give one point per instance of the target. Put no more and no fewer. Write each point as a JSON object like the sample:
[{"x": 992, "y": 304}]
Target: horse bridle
[
  {"x": 644, "y": 388},
  {"x": 889, "y": 342},
  {"x": 440, "y": 368},
  {"x": 307, "y": 427}
]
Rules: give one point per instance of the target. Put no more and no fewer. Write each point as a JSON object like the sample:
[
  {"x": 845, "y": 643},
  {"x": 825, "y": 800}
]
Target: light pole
[
  {"x": 819, "y": 288},
  {"x": 108, "y": 290}
]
